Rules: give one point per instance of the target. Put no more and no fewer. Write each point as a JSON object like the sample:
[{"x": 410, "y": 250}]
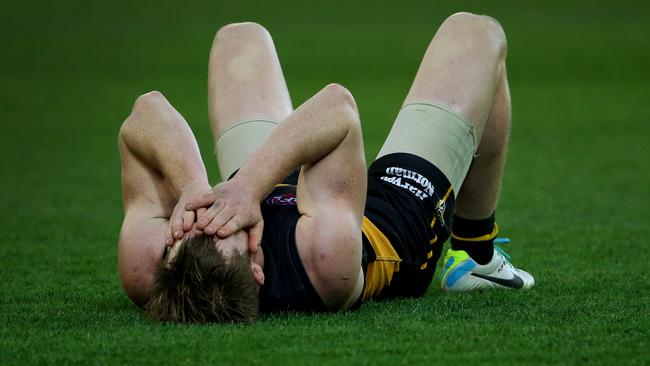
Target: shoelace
[{"x": 497, "y": 246}]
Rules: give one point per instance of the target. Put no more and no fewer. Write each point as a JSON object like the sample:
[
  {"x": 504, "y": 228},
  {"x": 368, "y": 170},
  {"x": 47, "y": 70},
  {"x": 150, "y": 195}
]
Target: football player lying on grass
[{"x": 302, "y": 224}]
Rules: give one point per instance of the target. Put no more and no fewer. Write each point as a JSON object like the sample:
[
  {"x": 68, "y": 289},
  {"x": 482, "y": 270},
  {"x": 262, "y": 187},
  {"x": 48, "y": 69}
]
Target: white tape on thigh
[
  {"x": 436, "y": 134},
  {"x": 238, "y": 142}
]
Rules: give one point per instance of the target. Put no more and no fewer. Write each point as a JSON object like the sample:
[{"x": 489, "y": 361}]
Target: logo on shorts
[
  {"x": 412, "y": 181},
  {"x": 287, "y": 199},
  {"x": 440, "y": 211}
]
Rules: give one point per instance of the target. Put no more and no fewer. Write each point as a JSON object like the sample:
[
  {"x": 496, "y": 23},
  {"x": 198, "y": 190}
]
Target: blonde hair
[{"x": 201, "y": 286}]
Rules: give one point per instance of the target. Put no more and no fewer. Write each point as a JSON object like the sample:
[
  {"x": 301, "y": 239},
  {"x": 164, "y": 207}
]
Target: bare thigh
[
  {"x": 462, "y": 67},
  {"x": 247, "y": 93},
  {"x": 447, "y": 108}
]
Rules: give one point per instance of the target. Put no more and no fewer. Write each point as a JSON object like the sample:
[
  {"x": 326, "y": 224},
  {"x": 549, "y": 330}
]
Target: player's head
[{"x": 198, "y": 283}]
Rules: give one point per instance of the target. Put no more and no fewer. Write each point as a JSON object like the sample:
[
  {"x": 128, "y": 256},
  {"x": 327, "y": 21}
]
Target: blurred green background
[{"x": 575, "y": 198}]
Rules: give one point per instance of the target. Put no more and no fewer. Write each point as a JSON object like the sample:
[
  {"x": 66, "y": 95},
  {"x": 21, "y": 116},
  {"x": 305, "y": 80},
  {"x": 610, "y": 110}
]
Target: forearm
[
  {"x": 165, "y": 143},
  {"x": 310, "y": 133}
]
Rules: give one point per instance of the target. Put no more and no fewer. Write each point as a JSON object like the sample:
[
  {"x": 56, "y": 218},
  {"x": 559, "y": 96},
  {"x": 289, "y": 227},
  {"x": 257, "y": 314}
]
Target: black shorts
[{"x": 411, "y": 202}]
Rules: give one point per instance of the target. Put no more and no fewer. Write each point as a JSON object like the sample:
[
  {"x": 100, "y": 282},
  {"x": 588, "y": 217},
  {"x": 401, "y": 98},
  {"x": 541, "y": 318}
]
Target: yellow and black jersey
[
  {"x": 407, "y": 219},
  {"x": 286, "y": 285},
  {"x": 408, "y": 215}
]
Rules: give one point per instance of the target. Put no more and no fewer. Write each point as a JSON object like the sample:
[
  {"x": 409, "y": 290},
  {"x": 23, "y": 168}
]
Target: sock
[{"x": 475, "y": 237}]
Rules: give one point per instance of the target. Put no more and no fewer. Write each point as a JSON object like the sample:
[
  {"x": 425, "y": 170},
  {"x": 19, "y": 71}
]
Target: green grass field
[{"x": 575, "y": 198}]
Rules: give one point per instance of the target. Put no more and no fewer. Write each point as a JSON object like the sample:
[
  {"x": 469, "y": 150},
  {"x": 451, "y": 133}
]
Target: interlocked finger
[
  {"x": 203, "y": 200},
  {"x": 218, "y": 221},
  {"x": 232, "y": 226},
  {"x": 199, "y": 213},
  {"x": 188, "y": 220},
  {"x": 255, "y": 237},
  {"x": 209, "y": 215},
  {"x": 177, "y": 225},
  {"x": 169, "y": 239}
]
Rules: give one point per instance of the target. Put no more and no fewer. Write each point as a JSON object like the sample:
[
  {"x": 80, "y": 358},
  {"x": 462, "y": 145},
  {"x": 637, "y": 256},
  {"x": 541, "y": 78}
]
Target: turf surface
[{"x": 575, "y": 198}]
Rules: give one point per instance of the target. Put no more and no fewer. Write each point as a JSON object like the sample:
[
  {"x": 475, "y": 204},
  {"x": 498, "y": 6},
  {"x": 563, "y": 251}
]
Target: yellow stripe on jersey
[{"x": 380, "y": 272}]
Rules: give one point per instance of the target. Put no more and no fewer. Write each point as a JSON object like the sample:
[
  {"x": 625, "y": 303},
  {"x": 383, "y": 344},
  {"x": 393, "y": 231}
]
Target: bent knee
[
  {"x": 341, "y": 97},
  {"x": 242, "y": 32},
  {"x": 478, "y": 28},
  {"x": 472, "y": 21}
]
